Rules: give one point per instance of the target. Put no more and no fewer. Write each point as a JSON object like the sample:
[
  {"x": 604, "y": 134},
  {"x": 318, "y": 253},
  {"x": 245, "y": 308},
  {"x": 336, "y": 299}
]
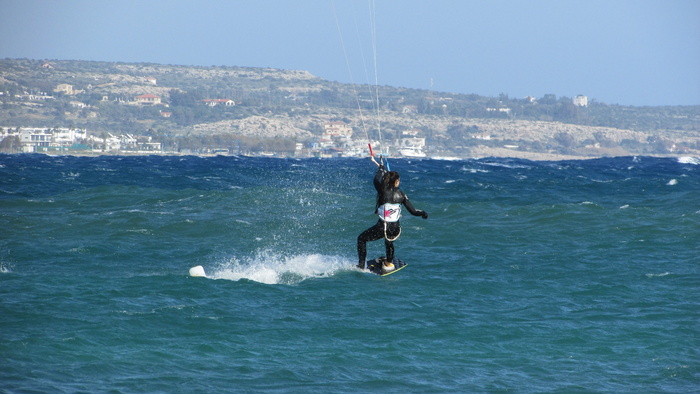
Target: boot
[{"x": 387, "y": 265}]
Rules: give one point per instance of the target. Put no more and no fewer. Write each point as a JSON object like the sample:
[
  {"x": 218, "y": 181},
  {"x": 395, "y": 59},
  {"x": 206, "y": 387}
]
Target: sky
[{"x": 627, "y": 52}]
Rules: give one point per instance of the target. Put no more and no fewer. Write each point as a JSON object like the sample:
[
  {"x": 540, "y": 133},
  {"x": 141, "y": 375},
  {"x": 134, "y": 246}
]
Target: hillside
[{"x": 248, "y": 110}]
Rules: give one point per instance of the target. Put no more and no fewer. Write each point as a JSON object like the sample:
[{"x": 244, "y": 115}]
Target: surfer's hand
[
  {"x": 375, "y": 161},
  {"x": 424, "y": 214}
]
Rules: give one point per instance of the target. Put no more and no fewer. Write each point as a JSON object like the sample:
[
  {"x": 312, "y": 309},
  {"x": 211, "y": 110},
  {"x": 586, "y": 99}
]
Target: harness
[{"x": 389, "y": 213}]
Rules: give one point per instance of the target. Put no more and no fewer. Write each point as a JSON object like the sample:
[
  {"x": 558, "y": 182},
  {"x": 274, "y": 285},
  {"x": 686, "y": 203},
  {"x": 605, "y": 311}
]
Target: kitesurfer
[{"x": 388, "y": 208}]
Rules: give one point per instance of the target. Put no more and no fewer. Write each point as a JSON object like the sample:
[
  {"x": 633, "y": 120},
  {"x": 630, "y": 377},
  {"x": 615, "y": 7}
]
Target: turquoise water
[{"x": 527, "y": 277}]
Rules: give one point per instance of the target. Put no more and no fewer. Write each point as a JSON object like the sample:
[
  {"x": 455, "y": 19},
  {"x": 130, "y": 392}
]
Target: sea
[{"x": 527, "y": 276}]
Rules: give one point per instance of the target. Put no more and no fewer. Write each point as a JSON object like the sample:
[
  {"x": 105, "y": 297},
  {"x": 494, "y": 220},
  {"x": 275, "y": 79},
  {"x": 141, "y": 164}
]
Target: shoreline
[{"x": 483, "y": 154}]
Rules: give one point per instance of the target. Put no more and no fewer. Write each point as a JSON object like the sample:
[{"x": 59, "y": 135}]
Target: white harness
[{"x": 390, "y": 213}]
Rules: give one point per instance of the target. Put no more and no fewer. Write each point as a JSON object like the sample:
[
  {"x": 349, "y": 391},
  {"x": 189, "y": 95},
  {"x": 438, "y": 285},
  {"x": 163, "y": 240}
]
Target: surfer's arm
[
  {"x": 378, "y": 178},
  {"x": 415, "y": 212}
]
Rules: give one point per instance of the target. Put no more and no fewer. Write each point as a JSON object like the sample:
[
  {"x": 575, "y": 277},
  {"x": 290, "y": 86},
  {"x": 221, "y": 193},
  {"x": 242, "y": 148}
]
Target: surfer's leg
[
  {"x": 392, "y": 231},
  {"x": 361, "y": 251},
  {"x": 371, "y": 234},
  {"x": 389, "y": 245}
]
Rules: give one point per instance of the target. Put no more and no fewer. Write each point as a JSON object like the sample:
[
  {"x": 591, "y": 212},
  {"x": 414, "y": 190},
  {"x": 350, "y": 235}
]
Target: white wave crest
[
  {"x": 474, "y": 170},
  {"x": 505, "y": 165},
  {"x": 272, "y": 268},
  {"x": 657, "y": 275},
  {"x": 689, "y": 160}
]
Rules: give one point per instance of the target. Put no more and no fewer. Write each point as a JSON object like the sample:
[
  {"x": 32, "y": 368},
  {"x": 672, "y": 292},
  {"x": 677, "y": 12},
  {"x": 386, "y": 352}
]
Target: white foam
[
  {"x": 273, "y": 268},
  {"x": 689, "y": 160},
  {"x": 473, "y": 170},
  {"x": 504, "y": 165},
  {"x": 591, "y": 203},
  {"x": 657, "y": 275},
  {"x": 672, "y": 182}
]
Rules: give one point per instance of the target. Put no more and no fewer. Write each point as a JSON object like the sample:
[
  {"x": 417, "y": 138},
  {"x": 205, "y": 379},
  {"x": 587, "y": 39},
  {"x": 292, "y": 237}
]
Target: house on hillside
[
  {"x": 581, "y": 101},
  {"x": 337, "y": 129},
  {"x": 215, "y": 102},
  {"x": 66, "y": 89},
  {"x": 409, "y": 109},
  {"x": 148, "y": 99}
]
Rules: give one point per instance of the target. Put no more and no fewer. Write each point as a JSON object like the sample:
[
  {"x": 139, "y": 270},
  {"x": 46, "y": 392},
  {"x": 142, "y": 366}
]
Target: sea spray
[{"x": 271, "y": 267}]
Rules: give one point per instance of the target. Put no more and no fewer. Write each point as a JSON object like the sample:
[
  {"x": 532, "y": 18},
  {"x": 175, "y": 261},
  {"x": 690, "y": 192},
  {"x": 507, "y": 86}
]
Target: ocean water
[{"x": 527, "y": 276}]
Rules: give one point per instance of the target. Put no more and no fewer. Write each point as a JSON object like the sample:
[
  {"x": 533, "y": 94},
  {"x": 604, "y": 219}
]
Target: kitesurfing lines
[
  {"x": 374, "y": 96},
  {"x": 352, "y": 80}
]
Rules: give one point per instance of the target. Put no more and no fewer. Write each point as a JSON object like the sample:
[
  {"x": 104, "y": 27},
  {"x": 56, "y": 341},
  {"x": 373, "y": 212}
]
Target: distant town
[
  {"x": 91, "y": 108},
  {"x": 336, "y": 141}
]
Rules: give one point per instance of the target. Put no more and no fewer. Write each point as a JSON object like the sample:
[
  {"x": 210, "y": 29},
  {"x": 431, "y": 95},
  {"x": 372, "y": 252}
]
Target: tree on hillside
[
  {"x": 10, "y": 144},
  {"x": 566, "y": 141},
  {"x": 179, "y": 98},
  {"x": 548, "y": 99},
  {"x": 566, "y": 111}
]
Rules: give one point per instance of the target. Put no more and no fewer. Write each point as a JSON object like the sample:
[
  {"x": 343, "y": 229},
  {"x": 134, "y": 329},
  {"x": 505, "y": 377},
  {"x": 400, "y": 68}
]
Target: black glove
[{"x": 424, "y": 214}]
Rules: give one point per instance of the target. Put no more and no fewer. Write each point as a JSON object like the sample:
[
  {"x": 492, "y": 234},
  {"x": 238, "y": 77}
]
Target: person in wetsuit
[{"x": 388, "y": 207}]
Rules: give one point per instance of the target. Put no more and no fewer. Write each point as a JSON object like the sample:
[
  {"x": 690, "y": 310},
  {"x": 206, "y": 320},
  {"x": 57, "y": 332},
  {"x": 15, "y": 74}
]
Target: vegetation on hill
[{"x": 103, "y": 99}]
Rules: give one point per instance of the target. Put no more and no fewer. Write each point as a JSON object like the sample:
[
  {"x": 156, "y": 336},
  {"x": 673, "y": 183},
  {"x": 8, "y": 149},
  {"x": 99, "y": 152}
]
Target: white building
[
  {"x": 337, "y": 129},
  {"x": 35, "y": 139},
  {"x": 68, "y": 137},
  {"x": 44, "y": 139},
  {"x": 215, "y": 102},
  {"x": 32, "y": 139},
  {"x": 112, "y": 143},
  {"x": 581, "y": 101}
]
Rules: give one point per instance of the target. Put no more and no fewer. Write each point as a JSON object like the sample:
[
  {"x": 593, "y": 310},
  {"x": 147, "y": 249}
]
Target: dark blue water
[{"x": 528, "y": 276}]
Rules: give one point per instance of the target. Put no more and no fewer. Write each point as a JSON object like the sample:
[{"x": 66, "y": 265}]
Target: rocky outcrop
[{"x": 255, "y": 126}]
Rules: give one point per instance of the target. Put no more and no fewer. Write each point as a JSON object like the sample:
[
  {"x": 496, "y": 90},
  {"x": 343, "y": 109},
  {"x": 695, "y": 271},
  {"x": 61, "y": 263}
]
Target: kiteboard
[{"x": 376, "y": 266}]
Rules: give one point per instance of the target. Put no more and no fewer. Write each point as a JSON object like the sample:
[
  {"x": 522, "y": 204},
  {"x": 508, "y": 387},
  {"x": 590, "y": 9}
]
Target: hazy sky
[{"x": 630, "y": 52}]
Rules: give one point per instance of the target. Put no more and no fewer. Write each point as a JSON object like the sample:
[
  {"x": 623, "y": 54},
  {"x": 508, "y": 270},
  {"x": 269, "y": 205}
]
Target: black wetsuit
[{"x": 393, "y": 195}]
